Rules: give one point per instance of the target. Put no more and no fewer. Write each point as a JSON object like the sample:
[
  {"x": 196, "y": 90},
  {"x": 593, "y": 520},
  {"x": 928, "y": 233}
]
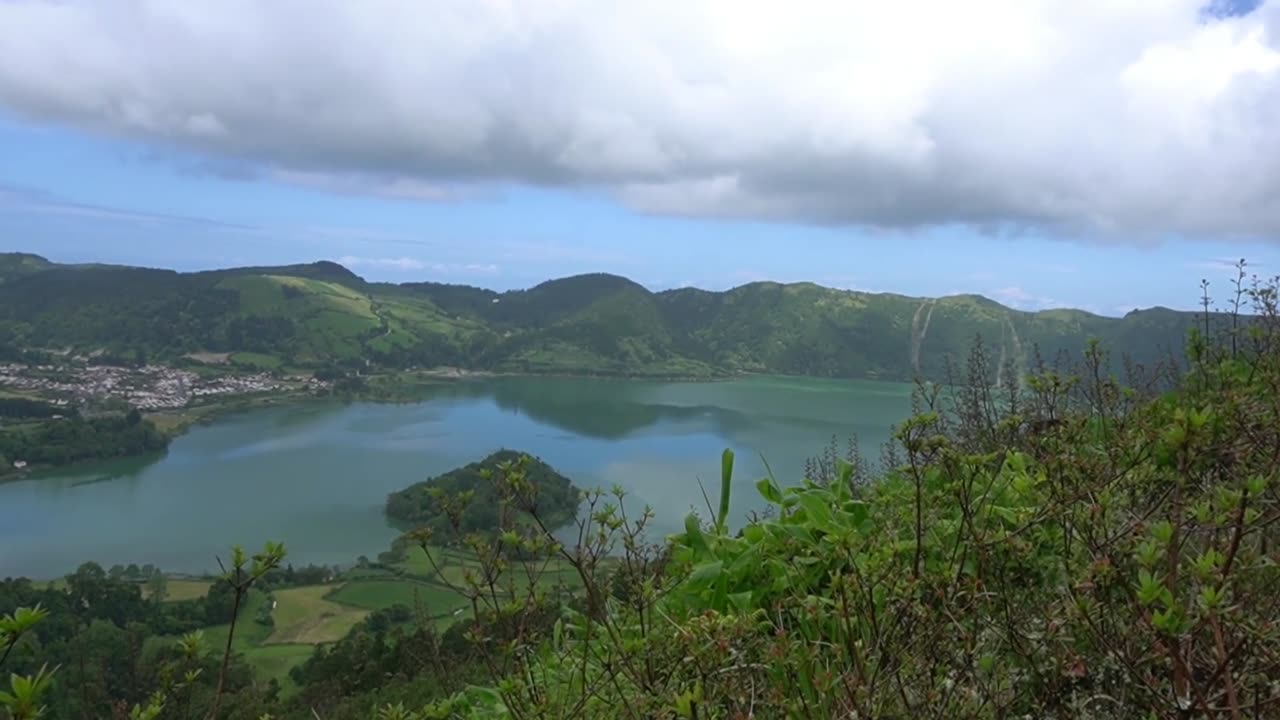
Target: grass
[
  {"x": 275, "y": 661},
  {"x": 179, "y": 590},
  {"x": 173, "y": 422},
  {"x": 435, "y": 599},
  {"x": 249, "y": 634},
  {"x": 416, "y": 562},
  {"x": 257, "y": 361},
  {"x": 303, "y": 615},
  {"x": 453, "y": 565},
  {"x": 270, "y": 653}
]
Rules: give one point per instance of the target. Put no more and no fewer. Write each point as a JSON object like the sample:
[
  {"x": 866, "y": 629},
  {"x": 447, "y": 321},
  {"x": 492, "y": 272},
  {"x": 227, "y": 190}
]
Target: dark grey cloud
[{"x": 1097, "y": 118}]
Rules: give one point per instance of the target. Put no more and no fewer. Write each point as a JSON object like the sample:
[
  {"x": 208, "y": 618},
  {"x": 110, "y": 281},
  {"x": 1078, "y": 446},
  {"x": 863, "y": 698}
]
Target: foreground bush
[{"x": 1070, "y": 548}]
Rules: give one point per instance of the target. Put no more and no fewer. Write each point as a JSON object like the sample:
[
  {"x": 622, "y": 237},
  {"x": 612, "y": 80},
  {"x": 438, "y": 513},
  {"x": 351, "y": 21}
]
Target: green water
[{"x": 315, "y": 475}]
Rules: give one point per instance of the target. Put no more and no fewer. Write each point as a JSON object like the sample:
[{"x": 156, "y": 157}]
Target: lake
[{"x": 315, "y": 475}]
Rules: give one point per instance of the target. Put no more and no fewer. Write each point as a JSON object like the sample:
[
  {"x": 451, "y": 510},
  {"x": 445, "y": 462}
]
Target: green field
[
  {"x": 434, "y": 600},
  {"x": 449, "y": 567},
  {"x": 256, "y": 361},
  {"x": 275, "y": 661},
  {"x": 249, "y": 634},
  {"x": 417, "y": 563},
  {"x": 273, "y": 653},
  {"x": 304, "y": 616},
  {"x": 177, "y": 590}
]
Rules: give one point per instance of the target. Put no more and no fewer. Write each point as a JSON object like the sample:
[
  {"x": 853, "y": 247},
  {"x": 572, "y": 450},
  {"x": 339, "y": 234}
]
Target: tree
[{"x": 157, "y": 588}]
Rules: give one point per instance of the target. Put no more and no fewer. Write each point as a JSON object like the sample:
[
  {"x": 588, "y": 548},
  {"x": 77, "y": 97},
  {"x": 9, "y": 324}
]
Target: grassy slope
[{"x": 305, "y": 616}]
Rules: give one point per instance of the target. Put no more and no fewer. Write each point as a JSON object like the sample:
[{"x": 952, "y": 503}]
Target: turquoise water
[{"x": 315, "y": 475}]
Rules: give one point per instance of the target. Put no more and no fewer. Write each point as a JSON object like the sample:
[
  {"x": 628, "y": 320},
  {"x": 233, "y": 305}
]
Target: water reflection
[{"x": 316, "y": 475}]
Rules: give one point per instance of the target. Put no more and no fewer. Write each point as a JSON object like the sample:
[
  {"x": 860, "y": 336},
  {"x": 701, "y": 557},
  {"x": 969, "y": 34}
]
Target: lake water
[{"x": 315, "y": 475}]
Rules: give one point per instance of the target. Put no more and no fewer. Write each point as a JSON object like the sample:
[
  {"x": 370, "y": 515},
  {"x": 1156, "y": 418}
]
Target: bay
[{"x": 315, "y": 475}]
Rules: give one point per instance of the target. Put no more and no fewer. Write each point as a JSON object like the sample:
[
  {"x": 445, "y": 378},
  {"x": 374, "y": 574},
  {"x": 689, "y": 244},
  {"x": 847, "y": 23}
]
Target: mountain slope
[
  {"x": 14, "y": 265},
  {"x": 319, "y": 314}
]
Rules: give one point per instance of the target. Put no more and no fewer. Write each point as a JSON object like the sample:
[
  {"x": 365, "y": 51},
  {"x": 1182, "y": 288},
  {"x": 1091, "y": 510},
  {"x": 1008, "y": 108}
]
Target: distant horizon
[{"x": 655, "y": 290}]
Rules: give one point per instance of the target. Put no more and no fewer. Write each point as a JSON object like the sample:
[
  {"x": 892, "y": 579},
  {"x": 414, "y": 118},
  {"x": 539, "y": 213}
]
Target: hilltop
[{"x": 323, "y": 315}]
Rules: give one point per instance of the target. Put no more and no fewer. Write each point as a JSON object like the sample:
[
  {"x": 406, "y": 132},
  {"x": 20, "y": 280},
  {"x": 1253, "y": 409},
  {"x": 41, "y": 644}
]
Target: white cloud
[
  {"x": 1016, "y": 297},
  {"x": 408, "y": 264},
  {"x": 401, "y": 263},
  {"x": 400, "y": 188},
  {"x": 466, "y": 268},
  {"x": 1129, "y": 119}
]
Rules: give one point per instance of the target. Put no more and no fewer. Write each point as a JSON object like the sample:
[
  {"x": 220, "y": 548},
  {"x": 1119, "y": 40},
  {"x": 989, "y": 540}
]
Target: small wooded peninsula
[
  {"x": 468, "y": 499},
  {"x": 36, "y": 434}
]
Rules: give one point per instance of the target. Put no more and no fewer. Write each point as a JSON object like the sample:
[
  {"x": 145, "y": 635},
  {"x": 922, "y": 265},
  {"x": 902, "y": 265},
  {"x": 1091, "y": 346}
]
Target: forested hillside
[{"x": 322, "y": 314}]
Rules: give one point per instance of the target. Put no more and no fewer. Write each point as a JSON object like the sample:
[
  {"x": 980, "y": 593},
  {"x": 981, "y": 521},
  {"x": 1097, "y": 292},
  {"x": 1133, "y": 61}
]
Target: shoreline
[{"x": 404, "y": 387}]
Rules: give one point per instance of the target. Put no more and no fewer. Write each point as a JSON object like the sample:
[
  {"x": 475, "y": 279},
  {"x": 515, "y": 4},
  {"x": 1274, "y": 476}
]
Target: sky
[{"x": 1099, "y": 154}]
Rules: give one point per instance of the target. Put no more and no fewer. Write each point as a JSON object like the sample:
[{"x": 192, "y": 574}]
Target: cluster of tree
[
  {"x": 395, "y": 658},
  {"x": 464, "y": 500},
  {"x": 254, "y": 333},
  {"x": 289, "y": 576},
  {"x": 73, "y": 439},
  {"x": 19, "y": 407},
  {"x": 134, "y": 572},
  {"x": 112, "y": 648},
  {"x": 125, "y": 359}
]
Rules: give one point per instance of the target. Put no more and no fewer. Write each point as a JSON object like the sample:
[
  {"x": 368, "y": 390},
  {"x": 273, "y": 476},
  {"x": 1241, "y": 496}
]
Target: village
[{"x": 151, "y": 387}]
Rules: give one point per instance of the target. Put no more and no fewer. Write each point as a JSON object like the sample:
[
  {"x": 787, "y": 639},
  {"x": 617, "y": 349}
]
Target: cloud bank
[
  {"x": 408, "y": 264},
  {"x": 1126, "y": 119}
]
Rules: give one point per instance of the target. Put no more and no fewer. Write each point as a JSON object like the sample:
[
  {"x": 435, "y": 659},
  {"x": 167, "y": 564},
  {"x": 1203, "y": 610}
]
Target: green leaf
[
  {"x": 769, "y": 491},
  {"x": 858, "y": 512},
  {"x": 844, "y": 472},
  {"x": 1210, "y": 599},
  {"x": 693, "y": 534},
  {"x": 706, "y": 572},
  {"x": 741, "y": 600},
  {"x": 726, "y": 484},
  {"x": 1162, "y": 531},
  {"x": 817, "y": 507},
  {"x": 1149, "y": 588}
]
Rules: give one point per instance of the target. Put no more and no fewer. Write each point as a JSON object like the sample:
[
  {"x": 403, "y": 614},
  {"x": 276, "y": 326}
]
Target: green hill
[
  {"x": 432, "y": 503},
  {"x": 15, "y": 265},
  {"x": 319, "y": 314}
]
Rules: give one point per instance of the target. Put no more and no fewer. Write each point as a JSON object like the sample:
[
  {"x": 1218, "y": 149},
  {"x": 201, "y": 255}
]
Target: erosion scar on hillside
[
  {"x": 918, "y": 331},
  {"x": 1017, "y": 351}
]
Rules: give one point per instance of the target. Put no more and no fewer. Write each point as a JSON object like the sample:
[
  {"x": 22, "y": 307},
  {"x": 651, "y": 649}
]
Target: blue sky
[{"x": 916, "y": 184}]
